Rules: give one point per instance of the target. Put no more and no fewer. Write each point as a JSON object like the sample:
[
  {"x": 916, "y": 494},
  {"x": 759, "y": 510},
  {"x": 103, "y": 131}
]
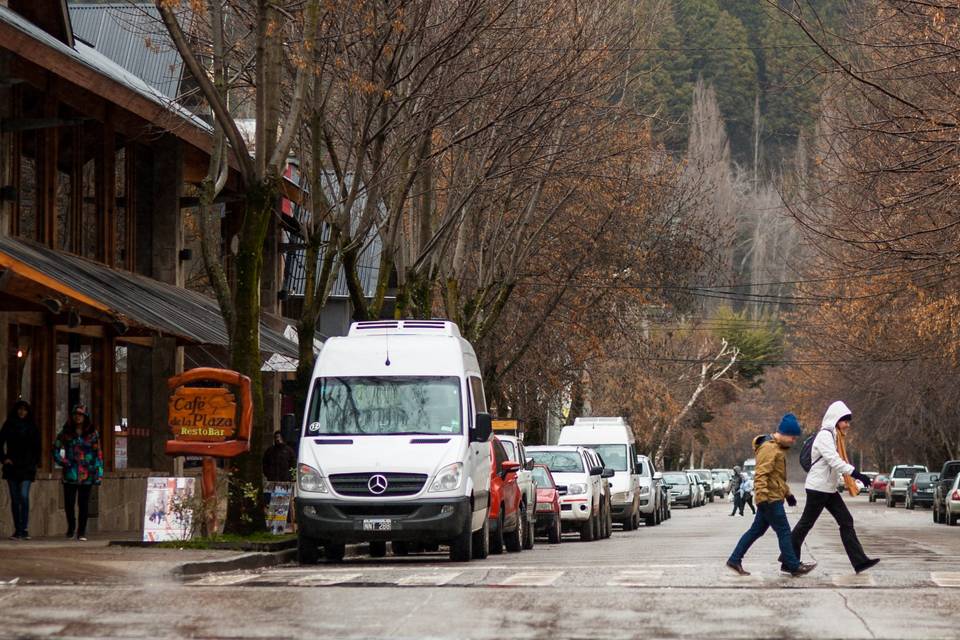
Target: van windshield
[
  {"x": 385, "y": 406},
  {"x": 614, "y": 455}
]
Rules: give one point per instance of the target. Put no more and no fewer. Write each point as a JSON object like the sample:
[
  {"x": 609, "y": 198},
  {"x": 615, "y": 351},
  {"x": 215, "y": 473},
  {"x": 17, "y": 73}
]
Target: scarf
[{"x": 849, "y": 482}]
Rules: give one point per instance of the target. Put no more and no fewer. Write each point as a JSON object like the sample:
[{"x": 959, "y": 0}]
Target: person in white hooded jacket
[{"x": 826, "y": 470}]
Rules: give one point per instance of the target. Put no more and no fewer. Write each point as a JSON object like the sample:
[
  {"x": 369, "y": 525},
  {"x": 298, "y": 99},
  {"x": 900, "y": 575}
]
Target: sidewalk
[{"x": 66, "y": 561}]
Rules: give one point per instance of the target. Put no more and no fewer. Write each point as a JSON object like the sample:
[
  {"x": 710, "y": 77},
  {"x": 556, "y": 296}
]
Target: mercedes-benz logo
[{"x": 377, "y": 484}]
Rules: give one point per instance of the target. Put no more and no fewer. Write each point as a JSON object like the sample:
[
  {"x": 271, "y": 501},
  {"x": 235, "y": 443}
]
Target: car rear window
[
  {"x": 951, "y": 470},
  {"x": 906, "y": 472},
  {"x": 541, "y": 478},
  {"x": 925, "y": 477}
]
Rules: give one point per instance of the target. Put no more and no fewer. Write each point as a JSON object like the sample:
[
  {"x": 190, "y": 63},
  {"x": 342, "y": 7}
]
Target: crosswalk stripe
[
  {"x": 637, "y": 578},
  {"x": 428, "y": 579},
  {"x": 854, "y": 580},
  {"x": 532, "y": 579},
  {"x": 946, "y": 578},
  {"x": 325, "y": 579},
  {"x": 222, "y": 580}
]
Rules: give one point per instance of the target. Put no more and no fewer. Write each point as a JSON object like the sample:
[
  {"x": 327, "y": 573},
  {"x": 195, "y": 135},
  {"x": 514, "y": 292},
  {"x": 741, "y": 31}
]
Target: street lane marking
[
  {"x": 854, "y": 580},
  {"x": 946, "y": 578},
  {"x": 428, "y": 579},
  {"x": 532, "y": 579},
  {"x": 325, "y": 579},
  {"x": 637, "y": 578},
  {"x": 222, "y": 581}
]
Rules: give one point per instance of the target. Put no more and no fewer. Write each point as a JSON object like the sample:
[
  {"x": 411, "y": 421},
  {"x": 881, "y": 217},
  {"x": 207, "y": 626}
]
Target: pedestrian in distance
[
  {"x": 279, "y": 460},
  {"x": 20, "y": 451},
  {"x": 770, "y": 482},
  {"x": 77, "y": 450},
  {"x": 829, "y": 462},
  {"x": 746, "y": 498},
  {"x": 735, "y": 481}
]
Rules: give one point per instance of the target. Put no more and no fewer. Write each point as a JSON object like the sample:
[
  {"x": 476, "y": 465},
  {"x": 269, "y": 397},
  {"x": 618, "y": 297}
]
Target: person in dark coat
[
  {"x": 735, "y": 481},
  {"x": 279, "y": 461},
  {"x": 77, "y": 450},
  {"x": 20, "y": 451}
]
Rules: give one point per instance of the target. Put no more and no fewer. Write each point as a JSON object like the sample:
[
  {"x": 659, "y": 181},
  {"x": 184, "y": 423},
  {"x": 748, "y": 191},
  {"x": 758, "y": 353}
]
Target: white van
[
  {"x": 613, "y": 439},
  {"x": 395, "y": 443}
]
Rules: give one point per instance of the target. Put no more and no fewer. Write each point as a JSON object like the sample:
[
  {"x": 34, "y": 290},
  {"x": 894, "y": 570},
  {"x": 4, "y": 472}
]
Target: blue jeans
[
  {"x": 769, "y": 514},
  {"x": 20, "y": 505}
]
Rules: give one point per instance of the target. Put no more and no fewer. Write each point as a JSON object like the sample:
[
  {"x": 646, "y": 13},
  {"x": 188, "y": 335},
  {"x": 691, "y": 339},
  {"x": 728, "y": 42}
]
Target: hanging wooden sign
[{"x": 202, "y": 414}]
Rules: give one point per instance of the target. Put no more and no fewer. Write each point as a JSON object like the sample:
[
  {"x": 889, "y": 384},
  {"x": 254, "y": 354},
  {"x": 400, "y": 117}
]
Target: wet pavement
[{"x": 666, "y": 581}]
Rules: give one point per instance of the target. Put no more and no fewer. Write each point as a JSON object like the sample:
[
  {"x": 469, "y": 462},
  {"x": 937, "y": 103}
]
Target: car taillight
[
  {"x": 955, "y": 496},
  {"x": 913, "y": 487}
]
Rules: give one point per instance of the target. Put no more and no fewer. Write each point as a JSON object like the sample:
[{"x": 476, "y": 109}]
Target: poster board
[
  {"x": 167, "y": 515},
  {"x": 278, "y": 511}
]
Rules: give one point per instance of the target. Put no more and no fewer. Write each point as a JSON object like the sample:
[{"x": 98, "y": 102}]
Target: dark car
[
  {"x": 921, "y": 491},
  {"x": 681, "y": 489},
  {"x": 878, "y": 488}
]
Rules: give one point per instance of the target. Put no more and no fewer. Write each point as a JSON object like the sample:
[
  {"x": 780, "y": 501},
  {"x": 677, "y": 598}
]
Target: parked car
[
  {"x": 701, "y": 495},
  {"x": 606, "y": 493},
  {"x": 547, "y": 504},
  {"x": 749, "y": 466},
  {"x": 516, "y": 452},
  {"x": 506, "y": 521},
  {"x": 901, "y": 477},
  {"x": 662, "y": 491},
  {"x": 648, "y": 504},
  {"x": 950, "y": 504},
  {"x": 948, "y": 473},
  {"x": 613, "y": 439},
  {"x": 706, "y": 475},
  {"x": 367, "y": 472},
  {"x": 721, "y": 478},
  {"x": 578, "y": 483},
  {"x": 878, "y": 488},
  {"x": 682, "y": 488},
  {"x": 920, "y": 492}
]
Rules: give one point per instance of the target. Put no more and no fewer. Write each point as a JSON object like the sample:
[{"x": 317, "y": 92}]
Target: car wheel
[
  {"x": 554, "y": 535},
  {"x": 890, "y": 502},
  {"x": 909, "y": 505},
  {"x": 514, "y": 539},
  {"x": 334, "y": 552},
  {"x": 711, "y": 498},
  {"x": 378, "y": 549},
  {"x": 649, "y": 520},
  {"x": 934, "y": 512},
  {"x": 308, "y": 551},
  {"x": 586, "y": 530},
  {"x": 530, "y": 534},
  {"x": 481, "y": 541},
  {"x": 496, "y": 535},
  {"x": 400, "y": 548},
  {"x": 608, "y": 523},
  {"x": 872, "y": 497},
  {"x": 461, "y": 547},
  {"x": 628, "y": 522},
  {"x": 952, "y": 519}
]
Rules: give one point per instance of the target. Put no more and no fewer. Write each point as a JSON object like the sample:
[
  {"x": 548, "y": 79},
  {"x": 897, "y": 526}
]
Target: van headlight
[
  {"x": 310, "y": 480},
  {"x": 576, "y": 488},
  {"x": 448, "y": 478}
]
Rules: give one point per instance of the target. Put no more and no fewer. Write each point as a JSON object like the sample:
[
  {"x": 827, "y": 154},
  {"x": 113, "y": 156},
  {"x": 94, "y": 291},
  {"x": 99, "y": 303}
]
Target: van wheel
[
  {"x": 378, "y": 549},
  {"x": 461, "y": 548},
  {"x": 586, "y": 531},
  {"x": 514, "y": 539},
  {"x": 400, "y": 548},
  {"x": 334, "y": 552},
  {"x": 555, "y": 535},
  {"x": 530, "y": 533},
  {"x": 308, "y": 551},
  {"x": 496, "y": 535},
  {"x": 481, "y": 541}
]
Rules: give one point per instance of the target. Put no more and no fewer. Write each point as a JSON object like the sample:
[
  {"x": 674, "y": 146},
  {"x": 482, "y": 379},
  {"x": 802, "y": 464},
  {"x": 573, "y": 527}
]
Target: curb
[
  {"x": 272, "y": 546},
  {"x": 247, "y": 561}
]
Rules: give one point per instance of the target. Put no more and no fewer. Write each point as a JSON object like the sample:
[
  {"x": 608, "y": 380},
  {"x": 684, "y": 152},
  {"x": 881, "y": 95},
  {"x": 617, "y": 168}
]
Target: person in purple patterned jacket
[{"x": 77, "y": 450}]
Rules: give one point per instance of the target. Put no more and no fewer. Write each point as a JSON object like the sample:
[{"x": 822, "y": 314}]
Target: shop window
[
  {"x": 74, "y": 370},
  {"x": 27, "y": 191},
  {"x": 89, "y": 216},
  {"x": 64, "y": 197},
  {"x": 120, "y": 230}
]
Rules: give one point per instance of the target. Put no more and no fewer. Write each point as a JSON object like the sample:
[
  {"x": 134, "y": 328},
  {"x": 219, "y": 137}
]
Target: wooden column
[
  {"x": 45, "y": 390},
  {"x": 75, "y": 219},
  {"x": 47, "y": 178},
  {"x": 130, "y": 193},
  {"x": 106, "y": 196},
  {"x": 105, "y": 360}
]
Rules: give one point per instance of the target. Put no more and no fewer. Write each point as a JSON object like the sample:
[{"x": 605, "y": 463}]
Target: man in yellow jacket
[{"x": 770, "y": 489}]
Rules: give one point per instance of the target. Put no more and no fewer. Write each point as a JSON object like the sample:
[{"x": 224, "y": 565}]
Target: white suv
[
  {"x": 901, "y": 477},
  {"x": 580, "y": 486}
]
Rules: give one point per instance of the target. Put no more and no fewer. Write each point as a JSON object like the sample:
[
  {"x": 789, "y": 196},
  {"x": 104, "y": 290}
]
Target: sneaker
[
  {"x": 81, "y": 539},
  {"x": 737, "y": 568},
  {"x": 14, "y": 537},
  {"x": 869, "y": 564},
  {"x": 25, "y": 537},
  {"x": 803, "y": 569}
]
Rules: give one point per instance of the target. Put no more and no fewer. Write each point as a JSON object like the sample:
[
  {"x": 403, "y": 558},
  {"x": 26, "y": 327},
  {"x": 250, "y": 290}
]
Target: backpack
[{"x": 806, "y": 453}]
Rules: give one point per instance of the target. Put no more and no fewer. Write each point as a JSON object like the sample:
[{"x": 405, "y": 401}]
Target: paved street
[{"x": 667, "y": 581}]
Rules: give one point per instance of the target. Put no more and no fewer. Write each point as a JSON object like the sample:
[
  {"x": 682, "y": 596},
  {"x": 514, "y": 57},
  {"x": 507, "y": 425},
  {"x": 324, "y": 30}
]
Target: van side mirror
[
  {"x": 596, "y": 471},
  {"x": 482, "y": 428},
  {"x": 290, "y": 430},
  {"x": 608, "y": 473}
]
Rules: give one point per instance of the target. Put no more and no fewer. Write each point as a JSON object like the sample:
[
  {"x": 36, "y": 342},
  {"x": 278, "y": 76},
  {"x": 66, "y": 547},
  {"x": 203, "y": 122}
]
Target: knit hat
[{"x": 790, "y": 426}]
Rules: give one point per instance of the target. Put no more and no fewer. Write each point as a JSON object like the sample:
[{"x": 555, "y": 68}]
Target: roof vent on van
[{"x": 405, "y": 327}]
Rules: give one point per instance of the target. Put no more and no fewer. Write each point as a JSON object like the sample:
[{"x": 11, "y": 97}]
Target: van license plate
[{"x": 378, "y": 524}]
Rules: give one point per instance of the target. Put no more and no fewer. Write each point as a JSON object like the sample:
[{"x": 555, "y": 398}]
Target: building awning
[{"x": 47, "y": 279}]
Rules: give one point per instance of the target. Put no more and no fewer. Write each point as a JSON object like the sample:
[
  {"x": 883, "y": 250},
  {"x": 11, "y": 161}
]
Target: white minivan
[
  {"x": 613, "y": 439},
  {"x": 395, "y": 444}
]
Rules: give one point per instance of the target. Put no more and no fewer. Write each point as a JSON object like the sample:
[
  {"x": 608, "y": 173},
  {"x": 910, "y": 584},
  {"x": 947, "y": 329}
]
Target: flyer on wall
[{"x": 167, "y": 515}]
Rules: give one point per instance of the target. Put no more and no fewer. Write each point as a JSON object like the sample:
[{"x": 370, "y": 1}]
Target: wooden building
[{"x": 93, "y": 167}]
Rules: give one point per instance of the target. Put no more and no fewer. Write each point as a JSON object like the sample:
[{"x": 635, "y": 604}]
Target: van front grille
[
  {"x": 377, "y": 510},
  {"x": 397, "y": 484}
]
